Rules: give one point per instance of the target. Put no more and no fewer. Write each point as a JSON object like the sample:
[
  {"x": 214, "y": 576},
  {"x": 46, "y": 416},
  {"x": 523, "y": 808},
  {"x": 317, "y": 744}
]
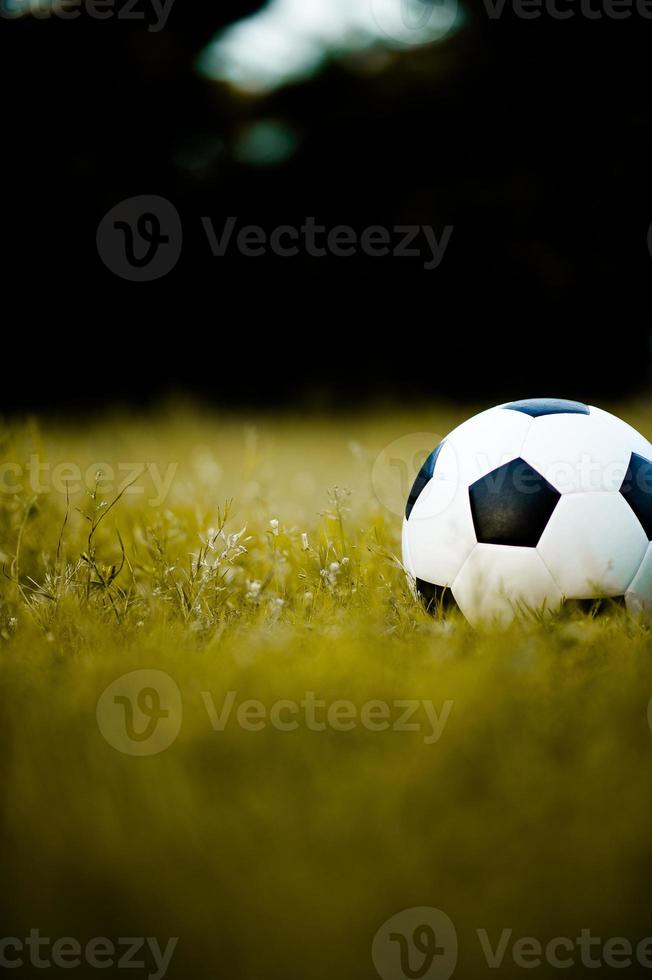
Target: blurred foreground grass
[{"x": 272, "y": 853}]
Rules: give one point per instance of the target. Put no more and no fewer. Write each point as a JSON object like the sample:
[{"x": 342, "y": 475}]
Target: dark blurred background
[{"x": 530, "y": 137}]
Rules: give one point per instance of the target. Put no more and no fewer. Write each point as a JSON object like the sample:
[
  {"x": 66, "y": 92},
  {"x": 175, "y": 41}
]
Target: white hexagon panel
[
  {"x": 582, "y": 452},
  {"x": 439, "y": 535},
  {"x": 499, "y": 582},
  {"x": 593, "y": 545},
  {"x": 486, "y": 441}
]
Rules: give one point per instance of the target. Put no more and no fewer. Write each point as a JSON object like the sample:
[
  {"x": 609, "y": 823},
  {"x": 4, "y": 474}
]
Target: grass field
[{"x": 260, "y": 557}]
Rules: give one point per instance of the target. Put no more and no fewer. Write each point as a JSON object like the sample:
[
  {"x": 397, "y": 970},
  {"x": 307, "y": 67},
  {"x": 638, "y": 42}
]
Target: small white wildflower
[
  {"x": 13, "y": 623},
  {"x": 308, "y": 597},
  {"x": 305, "y": 544},
  {"x": 345, "y": 561},
  {"x": 253, "y": 589},
  {"x": 274, "y": 525},
  {"x": 276, "y": 605},
  {"x": 330, "y": 574}
]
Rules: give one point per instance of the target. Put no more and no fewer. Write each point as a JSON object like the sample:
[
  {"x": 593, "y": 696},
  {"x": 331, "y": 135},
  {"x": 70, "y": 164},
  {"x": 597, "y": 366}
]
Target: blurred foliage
[
  {"x": 280, "y": 854},
  {"x": 529, "y": 136}
]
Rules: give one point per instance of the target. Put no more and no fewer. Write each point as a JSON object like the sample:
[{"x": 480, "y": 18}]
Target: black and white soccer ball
[{"x": 531, "y": 503}]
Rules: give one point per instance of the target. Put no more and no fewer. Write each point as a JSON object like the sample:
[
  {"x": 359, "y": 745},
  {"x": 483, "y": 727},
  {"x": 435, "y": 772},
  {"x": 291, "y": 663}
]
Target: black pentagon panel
[
  {"x": 548, "y": 406},
  {"x": 512, "y": 505},
  {"x": 435, "y": 597},
  {"x": 423, "y": 477},
  {"x": 637, "y": 490}
]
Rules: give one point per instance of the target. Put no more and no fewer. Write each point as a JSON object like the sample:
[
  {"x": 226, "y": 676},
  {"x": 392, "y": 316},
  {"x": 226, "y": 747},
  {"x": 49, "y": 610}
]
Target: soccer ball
[{"x": 531, "y": 503}]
